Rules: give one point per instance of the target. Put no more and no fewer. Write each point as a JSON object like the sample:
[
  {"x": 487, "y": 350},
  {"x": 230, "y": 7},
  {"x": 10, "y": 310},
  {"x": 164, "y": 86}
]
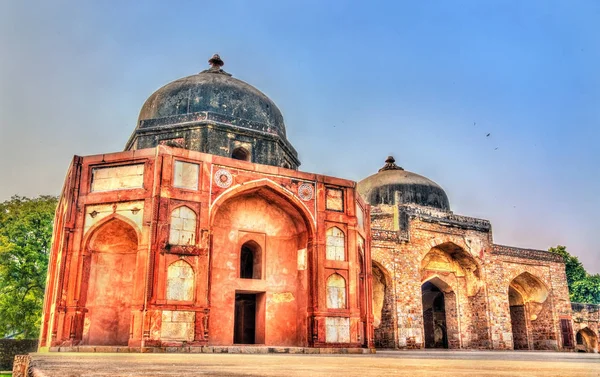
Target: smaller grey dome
[{"x": 392, "y": 182}]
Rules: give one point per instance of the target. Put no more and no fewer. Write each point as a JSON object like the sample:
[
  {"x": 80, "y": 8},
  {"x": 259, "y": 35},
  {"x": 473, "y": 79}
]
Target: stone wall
[
  {"x": 586, "y": 323},
  {"x": 414, "y": 245},
  {"x": 11, "y": 347},
  {"x": 519, "y": 327}
]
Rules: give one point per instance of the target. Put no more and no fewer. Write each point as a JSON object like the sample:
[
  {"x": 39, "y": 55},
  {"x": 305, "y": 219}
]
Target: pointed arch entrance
[
  {"x": 111, "y": 261},
  {"x": 438, "y": 313},
  {"x": 531, "y": 319},
  {"x": 456, "y": 292},
  {"x": 260, "y": 262}
]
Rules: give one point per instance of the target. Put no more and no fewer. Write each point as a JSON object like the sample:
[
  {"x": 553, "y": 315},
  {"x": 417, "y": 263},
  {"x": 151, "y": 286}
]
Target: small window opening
[
  {"x": 579, "y": 338},
  {"x": 240, "y": 154},
  {"x": 250, "y": 261}
]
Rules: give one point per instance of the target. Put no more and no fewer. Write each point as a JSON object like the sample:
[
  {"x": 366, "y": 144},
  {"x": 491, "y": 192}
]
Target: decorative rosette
[
  {"x": 306, "y": 191},
  {"x": 223, "y": 178}
]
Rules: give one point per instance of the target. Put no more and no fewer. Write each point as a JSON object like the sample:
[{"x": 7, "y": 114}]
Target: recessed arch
[
  {"x": 180, "y": 281},
  {"x": 530, "y": 287},
  {"x": 335, "y": 245},
  {"x": 92, "y": 232},
  {"x": 109, "y": 283},
  {"x": 183, "y": 223},
  {"x": 264, "y": 186},
  {"x": 449, "y": 258},
  {"x": 527, "y": 298},
  {"x": 269, "y": 215},
  {"x": 336, "y": 291},
  {"x": 452, "y": 257}
]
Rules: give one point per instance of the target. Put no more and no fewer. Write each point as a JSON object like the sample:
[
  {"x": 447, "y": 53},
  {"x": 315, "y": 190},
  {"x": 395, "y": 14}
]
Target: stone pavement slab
[{"x": 385, "y": 363}]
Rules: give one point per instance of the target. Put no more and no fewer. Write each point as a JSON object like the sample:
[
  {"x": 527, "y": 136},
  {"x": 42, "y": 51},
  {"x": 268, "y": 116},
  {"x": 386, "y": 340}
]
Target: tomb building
[
  {"x": 439, "y": 280},
  {"x": 203, "y": 232}
]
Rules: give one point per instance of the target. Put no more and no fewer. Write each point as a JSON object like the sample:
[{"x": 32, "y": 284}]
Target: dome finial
[
  {"x": 216, "y": 61},
  {"x": 390, "y": 164},
  {"x": 215, "y": 65}
]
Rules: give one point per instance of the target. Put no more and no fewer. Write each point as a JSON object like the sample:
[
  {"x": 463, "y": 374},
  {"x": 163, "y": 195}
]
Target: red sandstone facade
[{"x": 171, "y": 247}]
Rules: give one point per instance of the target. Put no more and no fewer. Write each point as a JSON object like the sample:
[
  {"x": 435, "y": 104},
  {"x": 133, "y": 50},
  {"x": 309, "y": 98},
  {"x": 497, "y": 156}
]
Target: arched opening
[
  {"x": 460, "y": 269},
  {"x": 250, "y": 261},
  {"x": 530, "y": 314},
  {"x": 112, "y": 261},
  {"x": 434, "y": 316},
  {"x": 586, "y": 341},
  {"x": 240, "y": 153},
  {"x": 336, "y": 292},
  {"x": 259, "y": 233},
  {"x": 383, "y": 307}
]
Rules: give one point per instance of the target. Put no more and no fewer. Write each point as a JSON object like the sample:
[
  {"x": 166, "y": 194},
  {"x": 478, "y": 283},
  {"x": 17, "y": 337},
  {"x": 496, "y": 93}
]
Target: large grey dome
[
  {"x": 212, "y": 112},
  {"x": 394, "y": 185},
  {"x": 215, "y": 91}
]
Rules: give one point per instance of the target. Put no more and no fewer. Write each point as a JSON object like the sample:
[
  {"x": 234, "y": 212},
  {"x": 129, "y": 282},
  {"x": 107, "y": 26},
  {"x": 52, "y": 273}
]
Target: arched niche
[
  {"x": 336, "y": 292},
  {"x": 180, "y": 281},
  {"x": 183, "y": 227},
  {"x": 112, "y": 261},
  {"x": 335, "y": 245}
]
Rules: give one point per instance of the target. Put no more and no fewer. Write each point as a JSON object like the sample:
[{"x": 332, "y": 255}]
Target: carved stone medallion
[
  {"x": 306, "y": 191},
  {"x": 223, "y": 178}
]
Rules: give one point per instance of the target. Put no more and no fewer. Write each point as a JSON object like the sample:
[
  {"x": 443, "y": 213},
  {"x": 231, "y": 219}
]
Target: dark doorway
[
  {"x": 434, "y": 317},
  {"x": 518, "y": 320},
  {"x": 244, "y": 331}
]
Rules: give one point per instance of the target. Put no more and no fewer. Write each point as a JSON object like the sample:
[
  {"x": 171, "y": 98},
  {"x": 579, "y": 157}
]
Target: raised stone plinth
[{"x": 213, "y": 349}]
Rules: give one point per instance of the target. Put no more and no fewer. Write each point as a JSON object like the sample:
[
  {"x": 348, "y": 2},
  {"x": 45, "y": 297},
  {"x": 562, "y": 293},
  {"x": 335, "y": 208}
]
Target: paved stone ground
[{"x": 384, "y": 363}]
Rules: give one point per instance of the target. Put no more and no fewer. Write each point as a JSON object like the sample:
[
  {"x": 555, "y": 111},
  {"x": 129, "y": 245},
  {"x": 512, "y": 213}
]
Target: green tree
[
  {"x": 25, "y": 237},
  {"x": 586, "y": 290},
  {"x": 583, "y": 287}
]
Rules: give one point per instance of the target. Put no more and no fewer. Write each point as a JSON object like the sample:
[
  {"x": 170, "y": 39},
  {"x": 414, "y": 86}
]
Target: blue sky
[{"x": 425, "y": 81}]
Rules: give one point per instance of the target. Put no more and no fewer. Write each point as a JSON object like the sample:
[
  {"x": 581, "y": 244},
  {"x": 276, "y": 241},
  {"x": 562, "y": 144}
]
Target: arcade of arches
[{"x": 445, "y": 286}]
